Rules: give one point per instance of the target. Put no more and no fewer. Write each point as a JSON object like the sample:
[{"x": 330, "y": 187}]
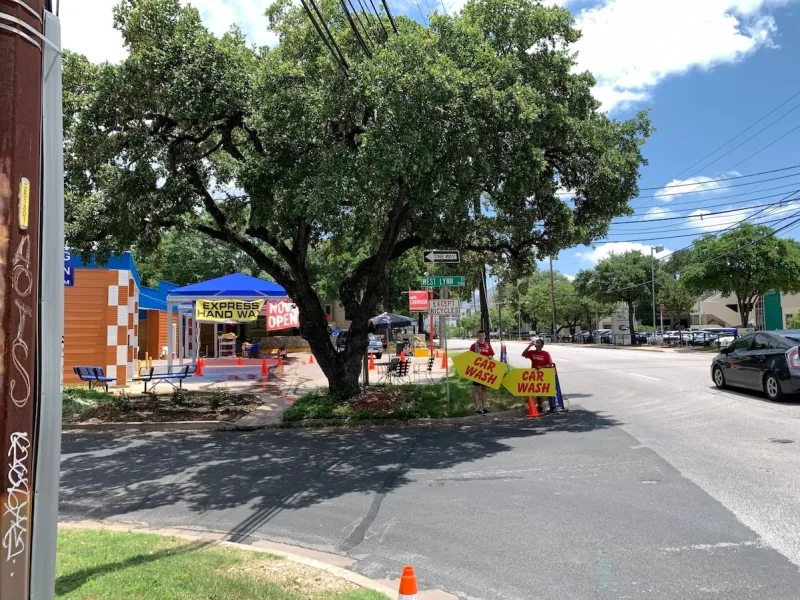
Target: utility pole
[
  {"x": 553, "y": 297},
  {"x": 653, "y": 280},
  {"x": 31, "y": 258}
]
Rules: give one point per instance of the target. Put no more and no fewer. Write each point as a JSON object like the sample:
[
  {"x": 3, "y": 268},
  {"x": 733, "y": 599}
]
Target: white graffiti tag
[
  {"x": 18, "y": 495},
  {"x": 19, "y": 353}
]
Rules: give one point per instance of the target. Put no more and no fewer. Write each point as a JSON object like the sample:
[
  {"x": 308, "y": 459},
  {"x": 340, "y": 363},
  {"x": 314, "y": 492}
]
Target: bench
[
  {"x": 165, "y": 374},
  {"x": 93, "y": 376}
]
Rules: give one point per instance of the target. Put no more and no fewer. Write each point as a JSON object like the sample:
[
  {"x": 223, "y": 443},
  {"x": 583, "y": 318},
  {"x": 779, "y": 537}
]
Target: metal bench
[
  {"x": 165, "y": 374},
  {"x": 93, "y": 376}
]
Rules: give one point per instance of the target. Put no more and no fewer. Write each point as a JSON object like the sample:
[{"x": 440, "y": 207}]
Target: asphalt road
[{"x": 653, "y": 486}]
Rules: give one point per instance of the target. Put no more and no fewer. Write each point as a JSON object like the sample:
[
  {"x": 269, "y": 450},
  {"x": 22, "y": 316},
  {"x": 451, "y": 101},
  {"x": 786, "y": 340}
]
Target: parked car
[
  {"x": 374, "y": 346},
  {"x": 764, "y": 361},
  {"x": 724, "y": 341},
  {"x": 702, "y": 338}
]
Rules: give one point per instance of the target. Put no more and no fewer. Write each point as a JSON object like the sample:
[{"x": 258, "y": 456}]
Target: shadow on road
[
  {"x": 755, "y": 395},
  {"x": 107, "y": 476}
]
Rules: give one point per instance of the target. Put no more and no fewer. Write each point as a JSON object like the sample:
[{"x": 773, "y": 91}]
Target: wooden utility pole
[{"x": 21, "y": 51}]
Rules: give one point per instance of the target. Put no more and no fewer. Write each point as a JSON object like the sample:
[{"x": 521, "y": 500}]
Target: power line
[
  {"x": 673, "y": 237},
  {"x": 743, "y": 131},
  {"x": 695, "y": 201},
  {"x": 721, "y": 212},
  {"x": 786, "y": 114},
  {"x": 339, "y": 59},
  {"x": 354, "y": 29},
  {"x": 378, "y": 15},
  {"x": 724, "y": 178}
]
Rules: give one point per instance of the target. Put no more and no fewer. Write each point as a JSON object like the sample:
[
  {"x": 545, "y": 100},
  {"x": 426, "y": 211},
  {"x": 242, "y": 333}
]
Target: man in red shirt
[
  {"x": 483, "y": 348},
  {"x": 539, "y": 358}
]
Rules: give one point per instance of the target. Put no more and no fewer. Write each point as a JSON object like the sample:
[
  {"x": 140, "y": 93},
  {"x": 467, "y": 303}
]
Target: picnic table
[
  {"x": 93, "y": 376},
  {"x": 165, "y": 374}
]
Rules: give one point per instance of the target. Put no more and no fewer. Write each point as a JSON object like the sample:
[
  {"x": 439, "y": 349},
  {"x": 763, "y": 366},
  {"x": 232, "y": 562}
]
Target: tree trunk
[
  {"x": 744, "y": 311},
  {"x": 631, "y": 322},
  {"x": 420, "y": 322},
  {"x": 387, "y": 297}
]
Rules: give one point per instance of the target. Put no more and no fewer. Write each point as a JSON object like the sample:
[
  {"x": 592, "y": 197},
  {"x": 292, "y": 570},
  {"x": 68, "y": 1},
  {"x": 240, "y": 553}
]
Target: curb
[
  {"x": 337, "y": 571},
  {"x": 145, "y": 426},
  {"x": 505, "y": 415}
]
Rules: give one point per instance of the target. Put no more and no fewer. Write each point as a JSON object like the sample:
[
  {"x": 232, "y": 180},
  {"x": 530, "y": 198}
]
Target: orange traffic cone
[
  {"x": 199, "y": 371},
  {"x": 264, "y": 369},
  {"x": 533, "y": 411},
  {"x": 311, "y": 359},
  {"x": 444, "y": 360},
  {"x": 408, "y": 584},
  {"x": 371, "y": 362},
  {"x": 280, "y": 362},
  {"x": 436, "y": 354},
  {"x": 238, "y": 360},
  {"x": 202, "y": 361},
  {"x": 402, "y": 356}
]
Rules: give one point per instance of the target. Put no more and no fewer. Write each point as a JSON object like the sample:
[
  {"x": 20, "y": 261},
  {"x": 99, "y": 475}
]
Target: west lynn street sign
[
  {"x": 439, "y": 281},
  {"x": 452, "y": 257},
  {"x": 444, "y": 308}
]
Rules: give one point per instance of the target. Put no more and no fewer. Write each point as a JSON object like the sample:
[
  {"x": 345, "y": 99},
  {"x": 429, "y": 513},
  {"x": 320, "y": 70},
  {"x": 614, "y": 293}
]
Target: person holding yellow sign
[
  {"x": 539, "y": 358},
  {"x": 483, "y": 348}
]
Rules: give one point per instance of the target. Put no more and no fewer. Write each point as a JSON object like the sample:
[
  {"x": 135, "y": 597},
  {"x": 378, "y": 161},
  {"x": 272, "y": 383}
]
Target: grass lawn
[
  {"x": 399, "y": 402},
  {"x": 104, "y": 565}
]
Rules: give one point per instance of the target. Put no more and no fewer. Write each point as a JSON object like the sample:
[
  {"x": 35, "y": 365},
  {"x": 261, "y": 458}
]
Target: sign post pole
[{"x": 444, "y": 296}]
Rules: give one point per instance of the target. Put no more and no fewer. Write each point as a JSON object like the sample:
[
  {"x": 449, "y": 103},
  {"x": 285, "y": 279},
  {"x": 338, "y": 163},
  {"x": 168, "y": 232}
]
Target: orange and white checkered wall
[{"x": 101, "y": 323}]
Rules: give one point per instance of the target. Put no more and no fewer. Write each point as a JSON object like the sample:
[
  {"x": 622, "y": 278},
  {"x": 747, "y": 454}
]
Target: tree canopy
[
  {"x": 458, "y": 134},
  {"x": 619, "y": 278},
  {"x": 748, "y": 261}
]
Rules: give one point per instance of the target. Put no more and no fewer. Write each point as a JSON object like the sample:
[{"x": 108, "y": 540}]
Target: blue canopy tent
[{"x": 235, "y": 287}]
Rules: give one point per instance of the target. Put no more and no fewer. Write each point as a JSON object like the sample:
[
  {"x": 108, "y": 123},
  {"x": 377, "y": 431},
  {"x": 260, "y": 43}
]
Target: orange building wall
[
  {"x": 86, "y": 313},
  {"x": 155, "y": 334},
  {"x": 101, "y": 323}
]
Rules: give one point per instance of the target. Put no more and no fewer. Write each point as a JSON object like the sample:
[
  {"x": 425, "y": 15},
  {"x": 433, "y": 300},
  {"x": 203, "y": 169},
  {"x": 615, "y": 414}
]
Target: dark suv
[{"x": 767, "y": 361}]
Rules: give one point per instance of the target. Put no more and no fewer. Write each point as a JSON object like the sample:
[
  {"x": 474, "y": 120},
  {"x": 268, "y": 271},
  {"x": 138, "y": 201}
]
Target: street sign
[
  {"x": 69, "y": 270},
  {"x": 439, "y": 281},
  {"x": 450, "y": 257},
  {"x": 445, "y": 308},
  {"x": 418, "y": 301}
]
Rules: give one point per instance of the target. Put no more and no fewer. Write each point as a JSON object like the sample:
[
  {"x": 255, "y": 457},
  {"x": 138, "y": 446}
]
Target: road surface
[{"x": 653, "y": 486}]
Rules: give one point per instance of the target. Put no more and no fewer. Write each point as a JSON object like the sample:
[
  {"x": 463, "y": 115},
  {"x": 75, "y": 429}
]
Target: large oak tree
[{"x": 456, "y": 134}]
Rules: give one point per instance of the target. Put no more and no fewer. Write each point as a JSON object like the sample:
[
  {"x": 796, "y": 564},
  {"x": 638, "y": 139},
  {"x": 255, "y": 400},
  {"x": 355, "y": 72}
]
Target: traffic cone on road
[
  {"x": 371, "y": 362},
  {"x": 311, "y": 359},
  {"x": 444, "y": 360},
  {"x": 408, "y": 584},
  {"x": 199, "y": 371},
  {"x": 533, "y": 411},
  {"x": 239, "y": 360},
  {"x": 402, "y": 356},
  {"x": 280, "y": 362},
  {"x": 264, "y": 369}
]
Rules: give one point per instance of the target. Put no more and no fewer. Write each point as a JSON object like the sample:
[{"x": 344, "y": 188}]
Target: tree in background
[
  {"x": 186, "y": 257},
  {"x": 619, "y": 278},
  {"x": 674, "y": 297},
  {"x": 277, "y": 151},
  {"x": 748, "y": 261},
  {"x": 794, "y": 322}
]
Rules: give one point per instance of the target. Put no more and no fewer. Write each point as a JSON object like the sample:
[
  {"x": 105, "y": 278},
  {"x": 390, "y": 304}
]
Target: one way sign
[{"x": 452, "y": 257}]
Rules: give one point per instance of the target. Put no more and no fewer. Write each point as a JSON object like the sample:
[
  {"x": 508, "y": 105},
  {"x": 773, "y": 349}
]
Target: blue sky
[{"x": 706, "y": 68}]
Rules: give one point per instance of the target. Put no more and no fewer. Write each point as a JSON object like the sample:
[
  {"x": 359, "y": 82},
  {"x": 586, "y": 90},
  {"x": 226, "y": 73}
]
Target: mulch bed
[
  {"x": 379, "y": 400},
  {"x": 152, "y": 409}
]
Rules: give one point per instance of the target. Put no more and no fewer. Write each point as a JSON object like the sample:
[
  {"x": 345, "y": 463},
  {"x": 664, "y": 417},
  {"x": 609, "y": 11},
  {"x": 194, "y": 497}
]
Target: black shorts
[{"x": 476, "y": 384}]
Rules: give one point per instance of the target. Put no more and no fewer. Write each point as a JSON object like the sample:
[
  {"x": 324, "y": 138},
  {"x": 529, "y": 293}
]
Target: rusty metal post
[{"x": 21, "y": 44}]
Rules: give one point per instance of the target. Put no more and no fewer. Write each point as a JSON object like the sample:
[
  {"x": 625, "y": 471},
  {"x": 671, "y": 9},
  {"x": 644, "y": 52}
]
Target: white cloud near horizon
[
  {"x": 595, "y": 255},
  {"x": 695, "y": 185}
]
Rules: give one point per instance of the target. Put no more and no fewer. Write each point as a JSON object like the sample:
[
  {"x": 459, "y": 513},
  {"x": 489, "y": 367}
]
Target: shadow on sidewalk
[{"x": 107, "y": 476}]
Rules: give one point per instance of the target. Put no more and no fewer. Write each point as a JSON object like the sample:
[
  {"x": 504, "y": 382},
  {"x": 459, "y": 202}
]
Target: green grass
[
  {"x": 78, "y": 398},
  {"x": 398, "y": 402},
  {"x": 101, "y": 565}
]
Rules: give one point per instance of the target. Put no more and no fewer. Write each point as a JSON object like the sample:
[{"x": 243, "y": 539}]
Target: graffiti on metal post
[
  {"x": 22, "y": 283},
  {"x": 18, "y": 496}
]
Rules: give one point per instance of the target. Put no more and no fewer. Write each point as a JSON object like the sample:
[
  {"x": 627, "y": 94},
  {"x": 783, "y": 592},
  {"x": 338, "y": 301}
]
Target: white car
[{"x": 723, "y": 342}]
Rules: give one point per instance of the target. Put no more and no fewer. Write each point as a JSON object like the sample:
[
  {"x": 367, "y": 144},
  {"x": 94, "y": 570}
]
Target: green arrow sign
[{"x": 454, "y": 281}]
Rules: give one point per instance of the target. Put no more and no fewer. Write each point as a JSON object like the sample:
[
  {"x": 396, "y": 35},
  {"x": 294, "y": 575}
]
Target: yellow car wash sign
[
  {"x": 480, "y": 369},
  {"x": 222, "y": 311},
  {"x": 531, "y": 382}
]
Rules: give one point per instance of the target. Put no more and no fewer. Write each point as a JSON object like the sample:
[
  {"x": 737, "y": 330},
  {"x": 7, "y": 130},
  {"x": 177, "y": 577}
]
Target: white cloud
[
  {"x": 680, "y": 187},
  {"x": 569, "y": 277},
  {"x": 595, "y": 255},
  {"x": 700, "y": 222},
  {"x": 656, "y": 213},
  {"x": 632, "y": 45},
  {"x": 87, "y": 27}
]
